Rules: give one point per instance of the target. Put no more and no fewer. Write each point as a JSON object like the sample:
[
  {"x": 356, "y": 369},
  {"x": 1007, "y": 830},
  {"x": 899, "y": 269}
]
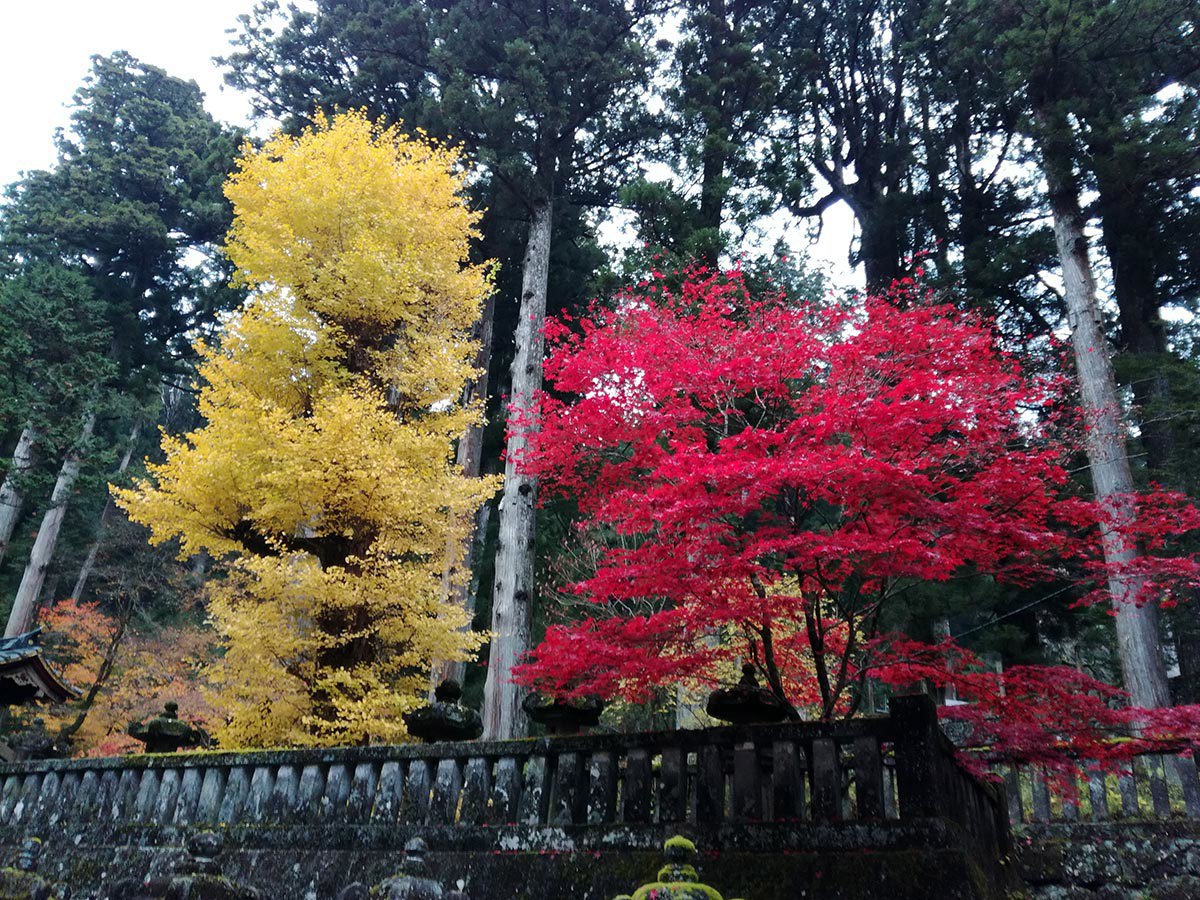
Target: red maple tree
[{"x": 780, "y": 473}]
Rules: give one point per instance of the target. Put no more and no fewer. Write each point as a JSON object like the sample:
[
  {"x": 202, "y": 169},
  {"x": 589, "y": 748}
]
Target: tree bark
[
  {"x": 1137, "y": 628},
  {"x": 512, "y": 594},
  {"x": 29, "y": 592},
  {"x": 11, "y": 498},
  {"x": 89, "y": 561},
  {"x": 714, "y": 152},
  {"x": 461, "y": 553}
]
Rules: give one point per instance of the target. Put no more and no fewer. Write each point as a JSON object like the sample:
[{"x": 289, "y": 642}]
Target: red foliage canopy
[{"x": 780, "y": 472}]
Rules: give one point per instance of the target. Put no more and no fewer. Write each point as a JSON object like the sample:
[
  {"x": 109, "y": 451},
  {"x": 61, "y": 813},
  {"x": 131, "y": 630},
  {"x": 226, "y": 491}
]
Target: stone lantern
[
  {"x": 746, "y": 702},
  {"x": 22, "y": 880},
  {"x": 413, "y": 882},
  {"x": 198, "y": 877},
  {"x": 166, "y": 732},
  {"x": 561, "y": 716},
  {"x": 677, "y": 880},
  {"x": 446, "y": 719}
]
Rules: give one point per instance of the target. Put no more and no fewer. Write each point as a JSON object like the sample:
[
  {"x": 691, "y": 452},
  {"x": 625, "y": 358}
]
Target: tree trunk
[
  {"x": 512, "y": 594},
  {"x": 89, "y": 561},
  {"x": 25, "y": 604},
  {"x": 1137, "y": 628},
  {"x": 11, "y": 498},
  {"x": 1135, "y": 287},
  {"x": 460, "y": 553},
  {"x": 879, "y": 247}
]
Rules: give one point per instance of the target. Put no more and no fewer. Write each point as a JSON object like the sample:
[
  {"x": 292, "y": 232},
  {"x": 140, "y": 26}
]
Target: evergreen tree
[{"x": 133, "y": 208}]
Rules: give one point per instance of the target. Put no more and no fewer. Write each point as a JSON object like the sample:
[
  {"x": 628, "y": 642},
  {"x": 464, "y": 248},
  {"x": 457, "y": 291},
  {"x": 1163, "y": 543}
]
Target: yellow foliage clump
[{"x": 324, "y": 473}]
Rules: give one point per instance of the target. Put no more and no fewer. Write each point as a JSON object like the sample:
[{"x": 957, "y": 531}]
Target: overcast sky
[
  {"x": 48, "y": 43},
  {"x": 45, "y": 54}
]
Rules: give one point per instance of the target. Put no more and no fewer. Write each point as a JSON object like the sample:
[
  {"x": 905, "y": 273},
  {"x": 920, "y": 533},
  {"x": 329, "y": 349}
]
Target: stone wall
[
  {"x": 1114, "y": 861},
  {"x": 763, "y": 862}
]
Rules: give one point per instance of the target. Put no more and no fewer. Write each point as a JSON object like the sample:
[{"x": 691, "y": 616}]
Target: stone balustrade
[{"x": 864, "y": 784}]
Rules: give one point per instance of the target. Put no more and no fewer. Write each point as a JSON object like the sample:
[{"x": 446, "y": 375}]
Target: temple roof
[{"x": 25, "y": 676}]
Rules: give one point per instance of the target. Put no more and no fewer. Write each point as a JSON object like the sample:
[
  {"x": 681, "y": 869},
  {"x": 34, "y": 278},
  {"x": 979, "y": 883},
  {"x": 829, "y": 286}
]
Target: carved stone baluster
[
  {"x": 1184, "y": 770},
  {"x": 233, "y": 798},
  {"x": 168, "y": 796},
  {"x": 787, "y": 783},
  {"x": 710, "y": 785},
  {"x": 85, "y": 797},
  {"x": 477, "y": 783},
  {"x": 389, "y": 795},
  {"x": 108, "y": 801},
  {"x": 506, "y": 793},
  {"x": 123, "y": 801},
  {"x": 447, "y": 784},
  {"x": 534, "y": 798},
  {"x": 1012, "y": 789},
  {"x": 362, "y": 792},
  {"x": 258, "y": 798},
  {"x": 826, "y": 781},
  {"x": 47, "y": 799},
  {"x": 65, "y": 807},
  {"x": 1127, "y": 786},
  {"x": 567, "y": 799},
  {"x": 212, "y": 790},
  {"x": 1041, "y": 796},
  {"x": 416, "y": 792},
  {"x": 1158, "y": 787},
  {"x": 147, "y": 796},
  {"x": 284, "y": 794},
  {"x": 190, "y": 785},
  {"x": 672, "y": 787},
  {"x": 1098, "y": 795},
  {"x": 636, "y": 787},
  {"x": 868, "y": 777},
  {"x": 747, "y": 784},
  {"x": 602, "y": 788}
]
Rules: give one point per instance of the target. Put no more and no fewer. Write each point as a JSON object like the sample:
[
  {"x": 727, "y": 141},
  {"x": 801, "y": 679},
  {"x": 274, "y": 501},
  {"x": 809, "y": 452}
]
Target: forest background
[{"x": 626, "y": 138}]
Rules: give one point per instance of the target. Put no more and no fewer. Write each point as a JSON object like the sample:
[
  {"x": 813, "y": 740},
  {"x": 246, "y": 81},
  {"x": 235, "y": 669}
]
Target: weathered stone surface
[
  {"x": 1181, "y": 888},
  {"x": 1113, "y": 861},
  {"x": 579, "y": 816},
  {"x": 755, "y": 861}
]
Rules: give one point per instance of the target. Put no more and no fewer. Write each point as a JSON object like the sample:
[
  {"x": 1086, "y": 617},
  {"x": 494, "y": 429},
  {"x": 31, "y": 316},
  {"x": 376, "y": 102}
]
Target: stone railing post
[{"x": 919, "y": 756}]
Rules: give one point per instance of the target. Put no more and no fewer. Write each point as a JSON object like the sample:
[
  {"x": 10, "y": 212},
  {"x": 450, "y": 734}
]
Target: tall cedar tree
[
  {"x": 324, "y": 470},
  {"x": 134, "y": 207},
  {"x": 720, "y": 99},
  {"x": 1054, "y": 56},
  {"x": 848, "y": 117}
]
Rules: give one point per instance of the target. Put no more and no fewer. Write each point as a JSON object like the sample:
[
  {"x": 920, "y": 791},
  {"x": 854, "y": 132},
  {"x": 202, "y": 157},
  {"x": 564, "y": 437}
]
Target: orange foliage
[{"x": 151, "y": 667}]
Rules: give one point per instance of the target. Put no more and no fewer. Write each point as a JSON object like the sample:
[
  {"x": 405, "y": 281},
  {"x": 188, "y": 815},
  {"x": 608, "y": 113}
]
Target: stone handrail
[
  {"x": 1155, "y": 787},
  {"x": 870, "y": 770}
]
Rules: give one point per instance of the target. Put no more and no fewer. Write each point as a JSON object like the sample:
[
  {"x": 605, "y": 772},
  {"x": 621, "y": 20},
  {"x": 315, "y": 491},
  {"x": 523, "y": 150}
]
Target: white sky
[
  {"x": 46, "y": 48},
  {"x": 46, "y": 51}
]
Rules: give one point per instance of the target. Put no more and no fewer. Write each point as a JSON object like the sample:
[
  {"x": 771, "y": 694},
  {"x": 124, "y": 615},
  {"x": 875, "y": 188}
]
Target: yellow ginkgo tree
[{"x": 324, "y": 472}]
